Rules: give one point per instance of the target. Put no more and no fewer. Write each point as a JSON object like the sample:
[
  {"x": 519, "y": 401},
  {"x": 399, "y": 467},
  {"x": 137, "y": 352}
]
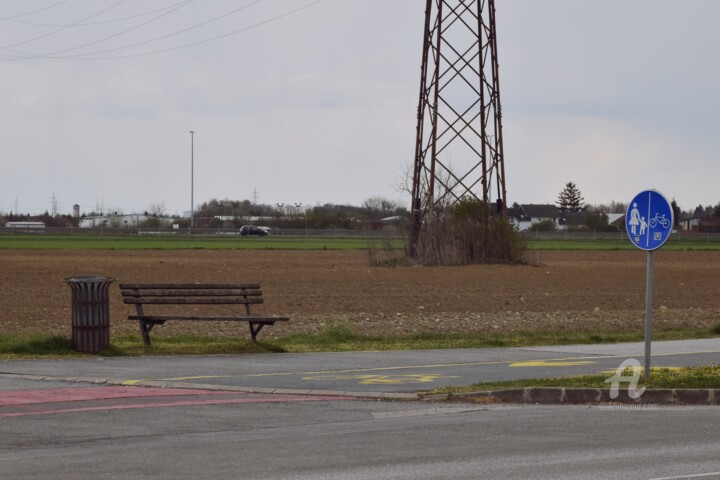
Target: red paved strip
[
  {"x": 60, "y": 395},
  {"x": 21, "y": 403},
  {"x": 264, "y": 399}
]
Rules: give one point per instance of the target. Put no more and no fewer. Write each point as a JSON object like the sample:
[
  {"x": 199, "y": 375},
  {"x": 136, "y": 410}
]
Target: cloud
[{"x": 320, "y": 106}]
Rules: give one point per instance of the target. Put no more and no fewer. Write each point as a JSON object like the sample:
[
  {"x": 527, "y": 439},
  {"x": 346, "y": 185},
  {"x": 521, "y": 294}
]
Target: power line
[
  {"x": 87, "y": 24},
  {"x": 48, "y": 55},
  {"x": 162, "y": 37},
  {"x": 34, "y": 11},
  {"x": 87, "y": 56},
  {"x": 6, "y": 47}
]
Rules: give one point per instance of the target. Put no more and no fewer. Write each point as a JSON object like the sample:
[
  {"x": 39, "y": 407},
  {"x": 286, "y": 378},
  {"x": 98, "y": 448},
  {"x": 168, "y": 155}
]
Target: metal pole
[
  {"x": 648, "y": 313},
  {"x": 192, "y": 179}
]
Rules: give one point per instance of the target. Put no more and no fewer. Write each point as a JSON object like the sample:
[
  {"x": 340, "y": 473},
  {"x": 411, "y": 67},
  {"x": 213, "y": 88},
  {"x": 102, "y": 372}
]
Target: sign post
[{"x": 649, "y": 221}]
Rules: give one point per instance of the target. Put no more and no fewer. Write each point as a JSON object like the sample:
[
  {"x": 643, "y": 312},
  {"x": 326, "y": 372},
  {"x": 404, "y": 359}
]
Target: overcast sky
[{"x": 313, "y": 102}]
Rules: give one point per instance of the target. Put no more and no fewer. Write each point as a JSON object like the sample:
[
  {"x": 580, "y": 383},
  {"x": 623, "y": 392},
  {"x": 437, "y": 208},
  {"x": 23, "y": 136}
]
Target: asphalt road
[
  {"x": 355, "y": 439},
  {"x": 87, "y": 418}
]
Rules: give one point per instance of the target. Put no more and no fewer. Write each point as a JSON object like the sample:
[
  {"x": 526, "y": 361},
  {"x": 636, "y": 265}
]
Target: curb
[
  {"x": 583, "y": 396},
  {"x": 528, "y": 395}
]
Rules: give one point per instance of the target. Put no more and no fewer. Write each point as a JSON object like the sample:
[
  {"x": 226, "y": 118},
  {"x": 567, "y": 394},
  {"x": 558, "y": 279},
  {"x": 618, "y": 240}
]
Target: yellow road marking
[
  {"x": 382, "y": 379},
  {"x": 546, "y": 363},
  {"x": 202, "y": 377},
  {"x": 593, "y": 359}
]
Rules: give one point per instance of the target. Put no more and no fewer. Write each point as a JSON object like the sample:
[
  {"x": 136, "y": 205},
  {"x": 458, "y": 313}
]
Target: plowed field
[{"x": 569, "y": 290}]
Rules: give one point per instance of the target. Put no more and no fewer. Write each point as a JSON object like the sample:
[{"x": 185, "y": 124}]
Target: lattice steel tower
[{"x": 459, "y": 149}]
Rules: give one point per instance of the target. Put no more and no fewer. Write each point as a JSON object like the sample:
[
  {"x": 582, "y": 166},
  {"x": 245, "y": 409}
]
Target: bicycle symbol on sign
[{"x": 661, "y": 219}]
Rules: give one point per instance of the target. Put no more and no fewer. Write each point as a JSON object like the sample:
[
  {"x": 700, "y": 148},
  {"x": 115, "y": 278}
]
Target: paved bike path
[{"x": 356, "y": 373}]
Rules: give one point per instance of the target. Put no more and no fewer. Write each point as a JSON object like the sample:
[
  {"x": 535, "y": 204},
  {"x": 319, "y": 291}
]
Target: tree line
[{"x": 227, "y": 213}]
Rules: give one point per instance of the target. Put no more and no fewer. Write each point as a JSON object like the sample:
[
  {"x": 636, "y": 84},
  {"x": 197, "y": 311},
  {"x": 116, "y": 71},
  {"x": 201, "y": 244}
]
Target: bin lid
[{"x": 89, "y": 279}]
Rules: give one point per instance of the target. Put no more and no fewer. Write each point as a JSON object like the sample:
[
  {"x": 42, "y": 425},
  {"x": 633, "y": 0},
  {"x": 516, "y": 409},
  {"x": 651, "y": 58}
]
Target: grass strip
[
  {"x": 610, "y": 245},
  {"x": 82, "y": 241},
  {"x": 335, "y": 338},
  {"x": 707, "y": 376},
  {"x": 183, "y": 242}
]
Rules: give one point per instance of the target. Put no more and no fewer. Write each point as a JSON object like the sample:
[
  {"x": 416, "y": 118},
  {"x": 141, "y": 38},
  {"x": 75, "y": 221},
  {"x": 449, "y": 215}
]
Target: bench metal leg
[
  {"x": 255, "y": 328},
  {"x": 145, "y": 328}
]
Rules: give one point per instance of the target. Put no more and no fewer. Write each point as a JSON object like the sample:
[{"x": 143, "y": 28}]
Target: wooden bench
[{"x": 142, "y": 294}]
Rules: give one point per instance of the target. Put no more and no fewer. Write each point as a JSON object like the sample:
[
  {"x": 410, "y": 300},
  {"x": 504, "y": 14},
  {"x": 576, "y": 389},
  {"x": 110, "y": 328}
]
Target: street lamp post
[{"x": 192, "y": 179}]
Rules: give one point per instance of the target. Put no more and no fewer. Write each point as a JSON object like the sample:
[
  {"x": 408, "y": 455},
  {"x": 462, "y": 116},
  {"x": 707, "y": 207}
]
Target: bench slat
[
  {"x": 230, "y": 292},
  {"x": 188, "y": 286},
  {"x": 191, "y": 301},
  {"x": 240, "y": 318}
]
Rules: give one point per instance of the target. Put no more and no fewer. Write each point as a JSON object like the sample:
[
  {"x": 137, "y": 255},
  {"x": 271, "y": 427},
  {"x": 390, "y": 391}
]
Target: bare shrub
[
  {"x": 468, "y": 233},
  {"x": 388, "y": 251}
]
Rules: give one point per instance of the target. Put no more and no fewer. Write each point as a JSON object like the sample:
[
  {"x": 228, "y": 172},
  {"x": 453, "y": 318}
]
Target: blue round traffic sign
[{"x": 649, "y": 220}]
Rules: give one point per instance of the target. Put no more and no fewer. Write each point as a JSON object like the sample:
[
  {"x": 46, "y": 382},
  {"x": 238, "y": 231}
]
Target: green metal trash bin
[{"x": 90, "y": 313}]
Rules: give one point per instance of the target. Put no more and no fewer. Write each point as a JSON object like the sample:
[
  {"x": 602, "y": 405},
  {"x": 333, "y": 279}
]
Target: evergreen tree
[
  {"x": 677, "y": 212},
  {"x": 570, "y": 199}
]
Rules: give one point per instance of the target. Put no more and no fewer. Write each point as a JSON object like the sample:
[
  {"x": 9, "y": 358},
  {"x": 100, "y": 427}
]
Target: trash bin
[{"x": 90, "y": 313}]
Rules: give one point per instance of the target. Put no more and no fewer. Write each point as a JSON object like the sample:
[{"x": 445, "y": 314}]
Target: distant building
[
  {"x": 120, "y": 221},
  {"x": 383, "y": 223},
  {"x": 25, "y": 225},
  {"x": 700, "y": 225},
  {"x": 527, "y": 215}
]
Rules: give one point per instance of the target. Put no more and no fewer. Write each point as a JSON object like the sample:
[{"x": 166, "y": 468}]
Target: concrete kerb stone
[
  {"x": 695, "y": 397},
  {"x": 544, "y": 395},
  {"x": 582, "y": 396}
]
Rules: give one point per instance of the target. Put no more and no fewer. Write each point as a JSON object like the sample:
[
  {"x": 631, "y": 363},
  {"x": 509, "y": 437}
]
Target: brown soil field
[{"x": 567, "y": 290}]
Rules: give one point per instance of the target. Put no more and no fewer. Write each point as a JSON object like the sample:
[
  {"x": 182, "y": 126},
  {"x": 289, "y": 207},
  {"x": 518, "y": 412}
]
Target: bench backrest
[{"x": 191, "y": 294}]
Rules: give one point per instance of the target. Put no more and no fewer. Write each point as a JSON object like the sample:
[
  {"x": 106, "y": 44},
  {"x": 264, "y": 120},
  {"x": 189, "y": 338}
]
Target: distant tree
[
  {"x": 597, "y": 221},
  {"x": 379, "y": 206},
  {"x": 543, "y": 226},
  {"x": 570, "y": 199},
  {"x": 618, "y": 207},
  {"x": 677, "y": 212},
  {"x": 701, "y": 211},
  {"x": 612, "y": 207},
  {"x": 157, "y": 209},
  {"x": 716, "y": 210}
]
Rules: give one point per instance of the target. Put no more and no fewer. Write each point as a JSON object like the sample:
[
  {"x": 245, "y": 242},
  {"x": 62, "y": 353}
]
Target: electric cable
[
  {"x": 94, "y": 42},
  {"x": 34, "y": 11},
  {"x": 6, "y": 47},
  {"x": 86, "y": 24},
  {"x": 89, "y": 56}
]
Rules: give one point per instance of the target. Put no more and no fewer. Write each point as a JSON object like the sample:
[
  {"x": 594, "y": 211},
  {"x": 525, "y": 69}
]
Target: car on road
[{"x": 246, "y": 230}]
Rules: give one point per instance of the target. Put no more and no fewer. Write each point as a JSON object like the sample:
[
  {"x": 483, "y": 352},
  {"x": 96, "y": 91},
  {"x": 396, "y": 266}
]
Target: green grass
[
  {"x": 336, "y": 338},
  {"x": 179, "y": 242},
  {"x": 30, "y": 346},
  {"x": 707, "y": 376},
  {"x": 617, "y": 244},
  {"x": 46, "y": 346},
  {"x": 182, "y": 241}
]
